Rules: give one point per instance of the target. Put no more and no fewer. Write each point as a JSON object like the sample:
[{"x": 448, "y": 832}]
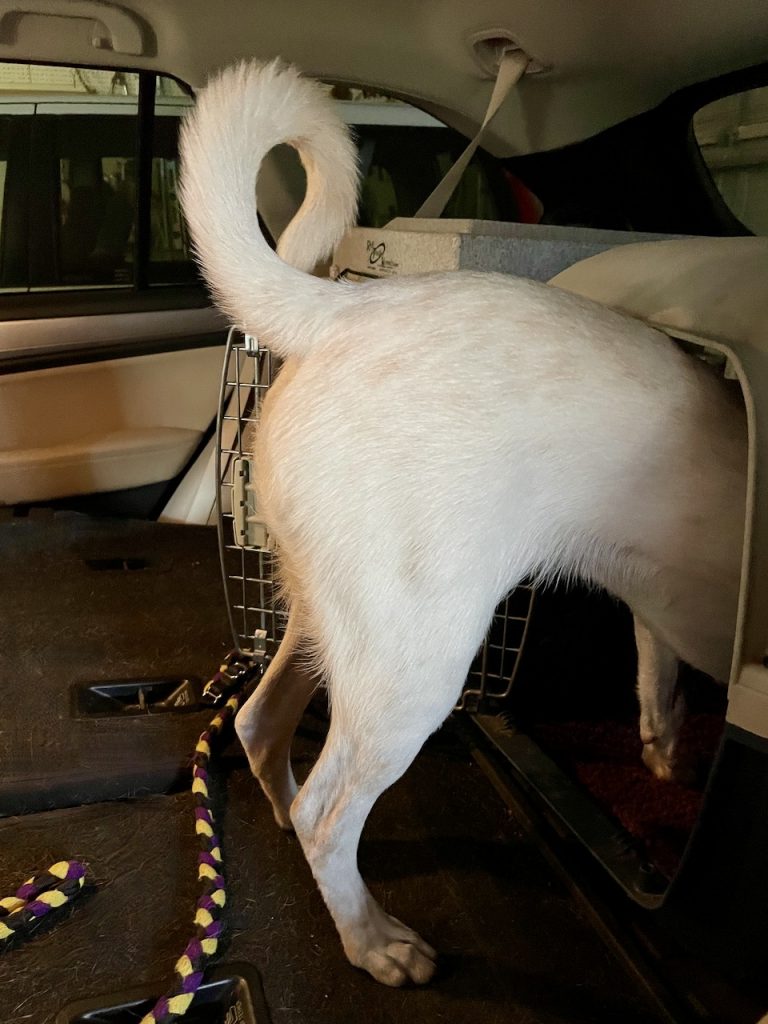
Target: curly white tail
[{"x": 239, "y": 116}]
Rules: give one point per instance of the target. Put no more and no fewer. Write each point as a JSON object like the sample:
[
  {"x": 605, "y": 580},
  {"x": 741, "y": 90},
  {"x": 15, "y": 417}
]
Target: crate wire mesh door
[
  {"x": 256, "y": 619},
  {"x": 493, "y": 671}
]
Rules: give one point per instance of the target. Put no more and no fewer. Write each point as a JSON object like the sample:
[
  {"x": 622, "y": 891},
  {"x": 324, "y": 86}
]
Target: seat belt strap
[{"x": 511, "y": 69}]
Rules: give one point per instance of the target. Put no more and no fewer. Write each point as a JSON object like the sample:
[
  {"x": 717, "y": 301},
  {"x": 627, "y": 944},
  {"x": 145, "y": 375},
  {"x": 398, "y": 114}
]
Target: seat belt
[{"x": 512, "y": 67}]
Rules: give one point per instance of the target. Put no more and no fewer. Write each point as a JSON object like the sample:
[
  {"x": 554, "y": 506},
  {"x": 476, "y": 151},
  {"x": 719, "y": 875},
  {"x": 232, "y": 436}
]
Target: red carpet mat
[{"x": 605, "y": 757}]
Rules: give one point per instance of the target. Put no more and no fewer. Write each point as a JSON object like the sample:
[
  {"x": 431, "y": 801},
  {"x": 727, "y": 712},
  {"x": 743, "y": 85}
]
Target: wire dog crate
[{"x": 256, "y": 619}]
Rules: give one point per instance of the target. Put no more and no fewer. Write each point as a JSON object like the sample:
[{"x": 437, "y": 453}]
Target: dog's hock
[{"x": 267, "y": 721}]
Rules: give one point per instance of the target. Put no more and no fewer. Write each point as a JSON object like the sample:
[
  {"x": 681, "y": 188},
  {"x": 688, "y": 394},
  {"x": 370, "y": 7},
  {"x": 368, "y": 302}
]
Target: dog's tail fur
[{"x": 240, "y": 115}]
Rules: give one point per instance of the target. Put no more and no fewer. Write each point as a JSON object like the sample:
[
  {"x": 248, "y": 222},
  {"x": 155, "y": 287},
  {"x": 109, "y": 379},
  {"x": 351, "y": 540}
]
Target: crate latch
[{"x": 250, "y": 532}]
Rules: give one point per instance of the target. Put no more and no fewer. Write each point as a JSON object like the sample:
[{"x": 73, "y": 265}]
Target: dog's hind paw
[
  {"x": 393, "y": 954},
  {"x": 398, "y": 963},
  {"x": 667, "y": 765}
]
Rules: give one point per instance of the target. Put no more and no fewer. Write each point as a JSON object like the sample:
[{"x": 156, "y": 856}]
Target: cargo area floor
[{"x": 441, "y": 850}]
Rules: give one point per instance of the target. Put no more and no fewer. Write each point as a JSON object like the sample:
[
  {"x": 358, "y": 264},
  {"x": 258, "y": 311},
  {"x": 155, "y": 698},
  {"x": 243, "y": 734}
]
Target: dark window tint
[
  {"x": 14, "y": 206},
  {"x": 95, "y": 157},
  {"x": 401, "y": 165},
  {"x": 70, "y": 149},
  {"x": 170, "y": 256},
  {"x": 97, "y": 194}
]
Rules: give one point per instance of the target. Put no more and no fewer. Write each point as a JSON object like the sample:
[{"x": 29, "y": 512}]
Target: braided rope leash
[
  {"x": 63, "y": 881},
  {"x": 190, "y": 967},
  {"x": 38, "y": 897}
]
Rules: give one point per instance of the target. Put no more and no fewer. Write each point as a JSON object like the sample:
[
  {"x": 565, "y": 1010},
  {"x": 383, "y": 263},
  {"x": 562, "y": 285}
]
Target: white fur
[{"x": 430, "y": 442}]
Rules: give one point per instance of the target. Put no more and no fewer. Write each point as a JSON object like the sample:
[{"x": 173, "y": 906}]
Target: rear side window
[
  {"x": 77, "y": 145},
  {"x": 14, "y": 208},
  {"x": 732, "y": 134},
  {"x": 401, "y": 166},
  {"x": 170, "y": 256},
  {"x": 94, "y": 226},
  {"x": 89, "y": 171},
  {"x": 404, "y": 154}
]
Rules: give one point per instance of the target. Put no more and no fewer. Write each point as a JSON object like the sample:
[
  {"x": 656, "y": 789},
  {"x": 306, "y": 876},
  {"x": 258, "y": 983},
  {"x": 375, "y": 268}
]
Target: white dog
[{"x": 429, "y": 442}]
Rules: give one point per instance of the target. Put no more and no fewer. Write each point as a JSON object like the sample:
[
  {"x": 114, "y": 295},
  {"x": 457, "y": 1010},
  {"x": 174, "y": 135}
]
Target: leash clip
[{"x": 235, "y": 672}]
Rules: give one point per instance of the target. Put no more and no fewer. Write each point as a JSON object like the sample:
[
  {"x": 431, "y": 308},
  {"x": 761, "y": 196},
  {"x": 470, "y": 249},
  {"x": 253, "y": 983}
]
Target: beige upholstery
[
  {"x": 104, "y": 426},
  {"x": 103, "y": 462},
  {"x": 606, "y": 61},
  {"x": 713, "y": 288}
]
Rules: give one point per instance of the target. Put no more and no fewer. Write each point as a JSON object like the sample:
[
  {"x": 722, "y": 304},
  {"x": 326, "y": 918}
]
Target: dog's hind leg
[
  {"x": 381, "y": 715},
  {"x": 268, "y": 720},
  {"x": 662, "y": 706}
]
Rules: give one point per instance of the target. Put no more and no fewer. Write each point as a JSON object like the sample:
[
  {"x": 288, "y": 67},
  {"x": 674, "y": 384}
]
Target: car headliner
[{"x": 604, "y": 60}]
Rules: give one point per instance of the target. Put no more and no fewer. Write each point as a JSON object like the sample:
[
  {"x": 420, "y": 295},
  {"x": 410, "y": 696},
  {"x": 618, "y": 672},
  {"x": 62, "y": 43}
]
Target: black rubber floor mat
[
  {"x": 96, "y": 600},
  {"x": 440, "y": 851}
]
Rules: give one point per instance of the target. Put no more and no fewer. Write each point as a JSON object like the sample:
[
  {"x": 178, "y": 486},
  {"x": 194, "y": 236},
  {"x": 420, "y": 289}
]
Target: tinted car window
[
  {"x": 14, "y": 192},
  {"x": 70, "y": 141},
  {"x": 170, "y": 258},
  {"x": 78, "y": 164},
  {"x": 95, "y": 156},
  {"x": 401, "y": 165}
]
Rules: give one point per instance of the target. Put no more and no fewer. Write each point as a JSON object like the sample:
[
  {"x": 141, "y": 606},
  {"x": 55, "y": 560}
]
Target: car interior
[{"x": 561, "y": 880}]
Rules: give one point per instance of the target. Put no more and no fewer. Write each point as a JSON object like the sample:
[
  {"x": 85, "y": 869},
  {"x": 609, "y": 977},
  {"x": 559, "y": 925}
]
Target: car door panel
[
  {"x": 109, "y": 356},
  {"x": 66, "y": 338},
  {"x": 104, "y": 426}
]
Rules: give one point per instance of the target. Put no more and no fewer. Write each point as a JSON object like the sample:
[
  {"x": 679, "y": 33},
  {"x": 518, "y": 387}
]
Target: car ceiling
[{"x": 604, "y": 60}]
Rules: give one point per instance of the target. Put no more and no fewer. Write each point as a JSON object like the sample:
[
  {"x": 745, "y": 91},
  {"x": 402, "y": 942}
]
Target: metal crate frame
[{"x": 256, "y": 619}]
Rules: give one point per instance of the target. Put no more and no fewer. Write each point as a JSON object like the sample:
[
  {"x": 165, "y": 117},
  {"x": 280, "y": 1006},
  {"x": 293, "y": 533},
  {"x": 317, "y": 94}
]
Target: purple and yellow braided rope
[
  {"x": 37, "y": 897},
  {"x": 190, "y": 967}
]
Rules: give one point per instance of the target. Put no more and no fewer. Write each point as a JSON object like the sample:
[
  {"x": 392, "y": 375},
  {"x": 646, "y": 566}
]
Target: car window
[
  {"x": 94, "y": 155},
  {"x": 404, "y": 154},
  {"x": 14, "y": 152},
  {"x": 170, "y": 258},
  {"x": 70, "y": 145},
  {"x": 402, "y": 165},
  {"x": 732, "y": 134},
  {"x": 80, "y": 179}
]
